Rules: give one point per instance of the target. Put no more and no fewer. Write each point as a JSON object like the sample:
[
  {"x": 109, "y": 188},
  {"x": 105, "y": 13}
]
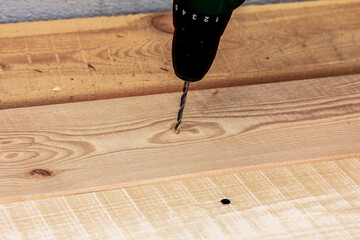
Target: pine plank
[
  {"x": 106, "y": 144},
  {"x": 97, "y": 58},
  {"x": 306, "y": 201}
]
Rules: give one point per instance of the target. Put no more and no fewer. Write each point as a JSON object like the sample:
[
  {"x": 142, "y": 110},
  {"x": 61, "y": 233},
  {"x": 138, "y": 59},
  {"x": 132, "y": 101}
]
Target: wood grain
[
  {"x": 91, "y": 146},
  {"x": 86, "y": 59},
  {"x": 307, "y": 201}
]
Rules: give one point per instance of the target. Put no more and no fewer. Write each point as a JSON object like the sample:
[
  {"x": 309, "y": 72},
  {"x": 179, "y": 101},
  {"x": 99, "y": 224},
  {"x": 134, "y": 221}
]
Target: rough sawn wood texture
[
  {"x": 309, "y": 201},
  {"x": 86, "y": 59},
  {"x": 91, "y": 146}
]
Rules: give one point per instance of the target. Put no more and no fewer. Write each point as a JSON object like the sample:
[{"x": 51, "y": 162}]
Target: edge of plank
[{"x": 176, "y": 178}]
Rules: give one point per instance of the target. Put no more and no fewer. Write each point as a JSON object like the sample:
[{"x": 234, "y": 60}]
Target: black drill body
[
  {"x": 199, "y": 25},
  {"x": 196, "y": 37}
]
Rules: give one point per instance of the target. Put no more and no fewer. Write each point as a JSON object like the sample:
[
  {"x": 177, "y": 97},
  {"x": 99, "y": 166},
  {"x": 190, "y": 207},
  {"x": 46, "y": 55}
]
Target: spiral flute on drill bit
[{"x": 182, "y": 105}]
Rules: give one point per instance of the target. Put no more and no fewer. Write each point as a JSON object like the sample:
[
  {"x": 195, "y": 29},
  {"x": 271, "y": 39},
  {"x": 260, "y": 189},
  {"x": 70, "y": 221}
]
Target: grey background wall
[{"x": 36, "y": 10}]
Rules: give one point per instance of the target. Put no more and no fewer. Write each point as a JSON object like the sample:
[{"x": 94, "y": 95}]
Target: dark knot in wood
[
  {"x": 163, "y": 23},
  {"x": 41, "y": 172}
]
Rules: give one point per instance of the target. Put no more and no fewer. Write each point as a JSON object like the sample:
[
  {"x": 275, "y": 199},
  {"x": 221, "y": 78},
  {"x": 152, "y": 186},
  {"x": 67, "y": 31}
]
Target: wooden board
[
  {"x": 91, "y": 146},
  {"x": 308, "y": 201},
  {"x": 86, "y": 59}
]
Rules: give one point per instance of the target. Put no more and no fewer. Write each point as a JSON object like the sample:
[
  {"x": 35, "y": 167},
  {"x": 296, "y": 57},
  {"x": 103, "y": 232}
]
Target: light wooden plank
[
  {"x": 86, "y": 59},
  {"x": 90, "y": 146},
  {"x": 308, "y": 201}
]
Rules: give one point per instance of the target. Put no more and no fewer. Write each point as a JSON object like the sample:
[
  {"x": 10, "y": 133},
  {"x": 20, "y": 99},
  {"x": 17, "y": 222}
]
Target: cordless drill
[{"x": 199, "y": 25}]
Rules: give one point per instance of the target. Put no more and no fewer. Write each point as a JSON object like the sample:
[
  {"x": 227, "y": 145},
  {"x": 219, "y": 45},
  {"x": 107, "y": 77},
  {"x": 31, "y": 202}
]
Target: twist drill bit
[{"x": 182, "y": 105}]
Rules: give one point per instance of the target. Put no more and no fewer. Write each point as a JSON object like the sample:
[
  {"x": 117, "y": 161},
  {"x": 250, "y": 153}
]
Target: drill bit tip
[{"x": 177, "y": 130}]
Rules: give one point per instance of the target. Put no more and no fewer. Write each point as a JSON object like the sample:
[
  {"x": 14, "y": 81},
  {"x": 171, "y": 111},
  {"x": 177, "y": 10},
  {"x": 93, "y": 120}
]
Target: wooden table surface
[{"x": 283, "y": 154}]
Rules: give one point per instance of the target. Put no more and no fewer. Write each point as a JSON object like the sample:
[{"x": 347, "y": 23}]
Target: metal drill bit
[{"x": 182, "y": 105}]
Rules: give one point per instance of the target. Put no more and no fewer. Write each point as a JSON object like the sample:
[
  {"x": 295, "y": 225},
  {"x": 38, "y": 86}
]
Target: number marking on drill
[
  {"x": 183, "y": 12},
  {"x": 217, "y": 19},
  {"x": 176, "y": 7},
  {"x": 194, "y": 16},
  {"x": 206, "y": 19}
]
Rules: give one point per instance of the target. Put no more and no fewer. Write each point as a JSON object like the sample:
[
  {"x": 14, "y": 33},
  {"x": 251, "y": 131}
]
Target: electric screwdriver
[{"x": 199, "y": 25}]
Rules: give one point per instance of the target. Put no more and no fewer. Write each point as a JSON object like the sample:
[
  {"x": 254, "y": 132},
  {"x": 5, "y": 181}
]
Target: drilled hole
[{"x": 225, "y": 201}]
